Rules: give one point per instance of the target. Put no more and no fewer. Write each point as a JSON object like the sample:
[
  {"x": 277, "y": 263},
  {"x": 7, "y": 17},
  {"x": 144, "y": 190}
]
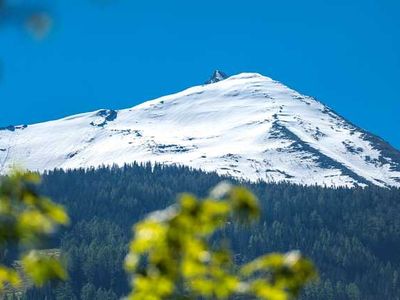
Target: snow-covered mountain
[{"x": 247, "y": 126}]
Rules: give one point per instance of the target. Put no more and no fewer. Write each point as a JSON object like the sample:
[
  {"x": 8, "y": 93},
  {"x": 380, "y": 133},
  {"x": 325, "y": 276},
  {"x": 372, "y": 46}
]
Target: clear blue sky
[{"x": 115, "y": 54}]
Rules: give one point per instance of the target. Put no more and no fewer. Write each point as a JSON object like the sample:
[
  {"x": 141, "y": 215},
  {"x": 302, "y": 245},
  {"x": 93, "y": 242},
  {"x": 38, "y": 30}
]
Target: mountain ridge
[{"x": 247, "y": 126}]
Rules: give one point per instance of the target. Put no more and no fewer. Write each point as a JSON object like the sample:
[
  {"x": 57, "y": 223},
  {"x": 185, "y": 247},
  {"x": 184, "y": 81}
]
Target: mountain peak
[
  {"x": 249, "y": 127},
  {"x": 216, "y": 77}
]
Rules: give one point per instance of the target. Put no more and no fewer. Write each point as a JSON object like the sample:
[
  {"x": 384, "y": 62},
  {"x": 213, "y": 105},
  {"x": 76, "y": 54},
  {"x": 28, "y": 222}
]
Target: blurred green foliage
[
  {"x": 173, "y": 253},
  {"x": 27, "y": 219},
  {"x": 34, "y": 16}
]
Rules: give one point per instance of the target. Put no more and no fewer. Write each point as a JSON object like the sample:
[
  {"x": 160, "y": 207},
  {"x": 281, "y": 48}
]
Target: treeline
[{"x": 352, "y": 235}]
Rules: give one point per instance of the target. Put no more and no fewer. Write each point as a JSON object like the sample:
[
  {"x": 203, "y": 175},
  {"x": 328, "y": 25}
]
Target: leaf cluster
[
  {"x": 171, "y": 255},
  {"x": 26, "y": 219}
]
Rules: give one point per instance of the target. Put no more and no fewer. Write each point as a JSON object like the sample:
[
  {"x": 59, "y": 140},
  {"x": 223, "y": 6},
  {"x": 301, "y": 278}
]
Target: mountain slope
[{"x": 247, "y": 126}]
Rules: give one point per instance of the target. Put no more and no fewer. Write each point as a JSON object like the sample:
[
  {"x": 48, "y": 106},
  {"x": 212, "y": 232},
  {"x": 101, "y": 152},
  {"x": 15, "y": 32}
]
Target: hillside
[
  {"x": 247, "y": 126},
  {"x": 350, "y": 234}
]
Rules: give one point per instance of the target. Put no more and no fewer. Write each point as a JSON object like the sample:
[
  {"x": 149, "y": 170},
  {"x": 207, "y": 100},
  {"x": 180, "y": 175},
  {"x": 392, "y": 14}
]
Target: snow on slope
[{"x": 247, "y": 126}]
